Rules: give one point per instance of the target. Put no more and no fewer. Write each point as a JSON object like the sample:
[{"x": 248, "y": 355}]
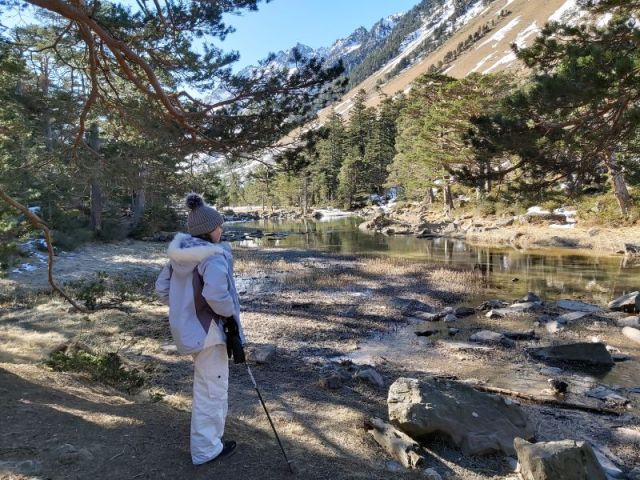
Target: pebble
[
  {"x": 333, "y": 382},
  {"x": 431, "y": 474},
  {"x": 450, "y": 318}
]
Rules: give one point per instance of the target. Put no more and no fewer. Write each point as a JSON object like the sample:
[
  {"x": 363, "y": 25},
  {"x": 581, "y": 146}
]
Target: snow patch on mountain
[
  {"x": 521, "y": 38},
  {"x": 500, "y": 34},
  {"x": 474, "y": 11},
  {"x": 482, "y": 62},
  {"x": 567, "y": 9},
  {"x": 508, "y": 58},
  {"x": 413, "y": 40}
]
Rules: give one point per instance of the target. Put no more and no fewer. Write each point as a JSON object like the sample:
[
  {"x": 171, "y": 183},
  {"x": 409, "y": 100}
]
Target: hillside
[{"x": 514, "y": 21}]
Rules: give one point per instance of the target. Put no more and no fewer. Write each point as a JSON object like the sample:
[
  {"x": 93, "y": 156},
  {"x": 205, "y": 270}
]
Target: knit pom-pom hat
[{"x": 202, "y": 218}]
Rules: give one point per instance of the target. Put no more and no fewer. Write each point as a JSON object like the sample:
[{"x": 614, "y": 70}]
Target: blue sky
[{"x": 281, "y": 24}]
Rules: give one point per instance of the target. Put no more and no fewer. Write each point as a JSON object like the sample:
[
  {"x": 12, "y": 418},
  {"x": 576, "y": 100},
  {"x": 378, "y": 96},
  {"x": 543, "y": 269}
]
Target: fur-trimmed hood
[{"x": 187, "y": 251}]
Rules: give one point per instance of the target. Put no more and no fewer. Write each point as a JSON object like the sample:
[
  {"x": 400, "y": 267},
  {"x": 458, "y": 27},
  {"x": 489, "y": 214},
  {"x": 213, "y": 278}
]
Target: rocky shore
[
  {"x": 537, "y": 229},
  {"x": 347, "y": 351}
]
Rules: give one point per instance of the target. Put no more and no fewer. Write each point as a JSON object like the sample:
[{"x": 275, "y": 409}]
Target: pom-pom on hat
[{"x": 202, "y": 218}]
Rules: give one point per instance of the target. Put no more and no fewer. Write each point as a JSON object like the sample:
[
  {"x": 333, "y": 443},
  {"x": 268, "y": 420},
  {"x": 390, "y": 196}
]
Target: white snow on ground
[
  {"x": 510, "y": 57},
  {"x": 567, "y": 8},
  {"x": 473, "y": 12},
  {"x": 437, "y": 19},
  {"x": 449, "y": 68},
  {"x": 327, "y": 213},
  {"x": 563, "y": 225},
  {"x": 500, "y": 34},
  {"x": 352, "y": 48},
  {"x": 482, "y": 62},
  {"x": 344, "y": 107},
  {"x": 509, "y": 2},
  {"x": 604, "y": 19},
  {"x": 537, "y": 211},
  {"x": 532, "y": 29}
]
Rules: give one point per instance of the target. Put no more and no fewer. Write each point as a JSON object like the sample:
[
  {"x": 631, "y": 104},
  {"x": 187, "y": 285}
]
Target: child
[{"x": 199, "y": 288}]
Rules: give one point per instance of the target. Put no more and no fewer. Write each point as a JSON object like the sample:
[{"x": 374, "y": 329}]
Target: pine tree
[{"x": 585, "y": 91}]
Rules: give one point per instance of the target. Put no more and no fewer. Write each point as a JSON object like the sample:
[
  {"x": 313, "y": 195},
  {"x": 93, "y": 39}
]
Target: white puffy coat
[{"x": 175, "y": 286}]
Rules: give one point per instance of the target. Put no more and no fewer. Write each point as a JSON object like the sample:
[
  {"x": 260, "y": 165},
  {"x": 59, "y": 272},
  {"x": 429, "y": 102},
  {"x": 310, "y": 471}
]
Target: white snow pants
[{"x": 210, "y": 402}]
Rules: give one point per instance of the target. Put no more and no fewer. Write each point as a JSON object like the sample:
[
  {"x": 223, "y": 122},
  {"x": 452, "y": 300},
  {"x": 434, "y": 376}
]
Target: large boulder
[
  {"x": 584, "y": 353},
  {"x": 477, "y": 422},
  {"x": 631, "y": 333},
  {"x": 626, "y": 303},
  {"x": 564, "y": 459}
]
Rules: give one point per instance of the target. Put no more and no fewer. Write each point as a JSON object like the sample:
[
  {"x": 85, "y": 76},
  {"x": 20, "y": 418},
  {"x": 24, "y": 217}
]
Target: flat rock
[
  {"x": 369, "y": 375},
  {"x": 629, "y": 322},
  {"x": 591, "y": 354},
  {"x": 426, "y": 316},
  {"x": 464, "y": 311},
  {"x": 525, "y": 306},
  {"x": 564, "y": 459},
  {"x": 577, "y": 306},
  {"x": 477, "y": 422},
  {"x": 571, "y": 317},
  {"x": 491, "y": 338},
  {"x": 631, "y": 333},
  {"x": 450, "y": 317},
  {"x": 262, "y": 353},
  {"x": 608, "y": 395},
  {"x": 531, "y": 297},
  {"x": 491, "y": 304},
  {"x": 626, "y": 303},
  {"x": 528, "y": 335}
]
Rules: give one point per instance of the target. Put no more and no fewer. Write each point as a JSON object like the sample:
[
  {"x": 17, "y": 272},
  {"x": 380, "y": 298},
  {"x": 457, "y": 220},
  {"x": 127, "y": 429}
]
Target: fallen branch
[
  {"x": 400, "y": 445},
  {"x": 546, "y": 401},
  {"x": 38, "y": 223}
]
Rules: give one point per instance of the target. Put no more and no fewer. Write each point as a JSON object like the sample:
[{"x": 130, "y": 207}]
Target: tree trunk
[
  {"x": 304, "y": 196},
  {"x": 139, "y": 200},
  {"x": 619, "y": 186},
  {"x": 96, "y": 197},
  {"x": 448, "y": 199},
  {"x": 430, "y": 196}
]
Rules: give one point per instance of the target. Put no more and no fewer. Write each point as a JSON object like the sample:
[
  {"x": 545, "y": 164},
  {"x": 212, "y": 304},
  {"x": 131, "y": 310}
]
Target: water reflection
[{"x": 549, "y": 273}]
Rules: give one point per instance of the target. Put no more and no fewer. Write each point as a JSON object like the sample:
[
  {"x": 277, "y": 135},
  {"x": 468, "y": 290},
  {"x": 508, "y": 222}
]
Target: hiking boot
[{"x": 228, "y": 449}]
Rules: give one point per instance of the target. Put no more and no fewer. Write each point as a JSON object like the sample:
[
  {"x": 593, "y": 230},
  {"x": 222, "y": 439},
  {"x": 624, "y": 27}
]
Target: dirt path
[{"x": 311, "y": 306}]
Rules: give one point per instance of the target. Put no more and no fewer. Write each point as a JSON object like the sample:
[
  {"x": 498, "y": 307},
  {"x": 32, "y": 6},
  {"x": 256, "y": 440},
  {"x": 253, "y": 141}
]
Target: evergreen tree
[
  {"x": 331, "y": 152},
  {"x": 585, "y": 92}
]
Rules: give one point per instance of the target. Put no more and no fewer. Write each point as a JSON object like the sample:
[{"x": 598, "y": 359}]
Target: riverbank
[
  {"x": 314, "y": 308},
  {"x": 537, "y": 230}
]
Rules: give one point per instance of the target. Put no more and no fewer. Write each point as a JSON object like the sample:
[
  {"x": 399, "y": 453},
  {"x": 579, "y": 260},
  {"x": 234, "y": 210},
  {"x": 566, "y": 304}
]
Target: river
[{"x": 550, "y": 273}]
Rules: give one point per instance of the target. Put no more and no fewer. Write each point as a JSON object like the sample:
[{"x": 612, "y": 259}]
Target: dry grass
[
  {"x": 463, "y": 282},
  {"x": 596, "y": 240}
]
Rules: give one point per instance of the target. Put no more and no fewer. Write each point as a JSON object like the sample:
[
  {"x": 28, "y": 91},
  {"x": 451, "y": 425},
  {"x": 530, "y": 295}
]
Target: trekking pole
[{"x": 255, "y": 385}]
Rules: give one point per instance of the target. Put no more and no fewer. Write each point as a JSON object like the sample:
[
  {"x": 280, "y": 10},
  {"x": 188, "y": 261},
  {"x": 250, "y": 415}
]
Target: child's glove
[{"x": 234, "y": 343}]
